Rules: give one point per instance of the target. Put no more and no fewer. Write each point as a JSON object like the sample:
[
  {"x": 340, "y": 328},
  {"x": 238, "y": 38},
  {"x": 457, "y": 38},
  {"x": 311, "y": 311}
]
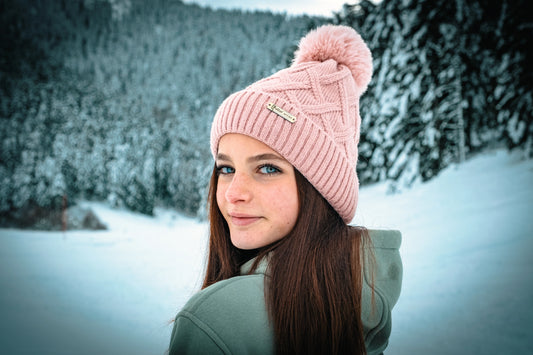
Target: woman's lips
[{"x": 243, "y": 220}]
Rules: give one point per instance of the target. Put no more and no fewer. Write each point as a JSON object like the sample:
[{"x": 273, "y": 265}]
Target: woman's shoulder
[
  {"x": 235, "y": 292},
  {"x": 229, "y": 315}
]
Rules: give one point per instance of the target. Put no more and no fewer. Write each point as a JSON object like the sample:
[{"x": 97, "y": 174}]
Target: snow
[
  {"x": 467, "y": 239},
  {"x": 111, "y": 292}
]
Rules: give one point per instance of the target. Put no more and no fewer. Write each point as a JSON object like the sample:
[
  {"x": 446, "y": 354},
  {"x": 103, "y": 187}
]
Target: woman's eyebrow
[
  {"x": 223, "y": 157},
  {"x": 266, "y": 156},
  {"x": 253, "y": 159}
]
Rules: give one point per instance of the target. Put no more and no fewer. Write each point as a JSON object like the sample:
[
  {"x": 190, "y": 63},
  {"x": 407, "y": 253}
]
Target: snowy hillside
[
  {"x": 467, "y": 247},
  {"x": 467, "y": 241}
]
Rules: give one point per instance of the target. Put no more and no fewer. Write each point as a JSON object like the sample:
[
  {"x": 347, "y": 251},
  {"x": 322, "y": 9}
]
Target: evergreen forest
[{"x": 112, "y": 100}]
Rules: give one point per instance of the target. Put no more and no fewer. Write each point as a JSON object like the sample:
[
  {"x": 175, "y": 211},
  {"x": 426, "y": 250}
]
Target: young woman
[{"x": 286, "y": 274}]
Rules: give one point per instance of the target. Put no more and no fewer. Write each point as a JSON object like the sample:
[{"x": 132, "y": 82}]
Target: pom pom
[{"x": 342, "y": 44}]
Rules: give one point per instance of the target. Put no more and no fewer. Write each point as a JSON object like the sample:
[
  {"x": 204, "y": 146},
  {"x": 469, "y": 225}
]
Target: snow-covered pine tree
[
  {"x": 396, "y": 129},
  {"x": 130, "y": 89},
  {"x": 449, "y": 80}
]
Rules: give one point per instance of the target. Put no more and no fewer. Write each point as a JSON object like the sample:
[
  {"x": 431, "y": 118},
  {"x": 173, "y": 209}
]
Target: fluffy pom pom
[{"x": 342, "y": 44}]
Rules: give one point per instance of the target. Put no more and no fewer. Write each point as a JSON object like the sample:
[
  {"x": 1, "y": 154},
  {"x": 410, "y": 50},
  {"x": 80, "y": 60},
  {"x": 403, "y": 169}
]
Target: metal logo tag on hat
[{"x": 281, "y": 112}]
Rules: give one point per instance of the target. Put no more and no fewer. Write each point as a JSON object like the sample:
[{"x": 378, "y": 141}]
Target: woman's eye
[
  {"x": 269, "y": 169},
  {"x": 225, "y": 170}
]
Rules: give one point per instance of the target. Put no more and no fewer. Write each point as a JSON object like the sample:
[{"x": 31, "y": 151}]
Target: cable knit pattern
[{"x": 321, "y": 89}]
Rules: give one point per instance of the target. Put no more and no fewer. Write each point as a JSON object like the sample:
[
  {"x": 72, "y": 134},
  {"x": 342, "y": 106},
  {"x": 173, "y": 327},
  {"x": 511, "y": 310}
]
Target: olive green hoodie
[{"x": 230, "y": 316}]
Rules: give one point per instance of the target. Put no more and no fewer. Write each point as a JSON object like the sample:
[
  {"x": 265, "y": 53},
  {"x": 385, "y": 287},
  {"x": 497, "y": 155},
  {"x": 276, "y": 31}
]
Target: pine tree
[
  {"x": 442, "y": 88},
  {"x": 112, "y": 96}
]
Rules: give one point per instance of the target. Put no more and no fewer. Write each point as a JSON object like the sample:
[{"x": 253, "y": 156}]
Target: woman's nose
[{"x": 239, "y": 189}]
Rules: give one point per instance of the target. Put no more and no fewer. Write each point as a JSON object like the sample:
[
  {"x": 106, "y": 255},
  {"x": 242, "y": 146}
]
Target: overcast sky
[{"x": 293, "y": 7}]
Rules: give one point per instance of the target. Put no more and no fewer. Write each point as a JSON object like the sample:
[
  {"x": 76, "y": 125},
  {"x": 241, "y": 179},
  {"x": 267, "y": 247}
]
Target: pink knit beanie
[{"x": 309, "y": 112}]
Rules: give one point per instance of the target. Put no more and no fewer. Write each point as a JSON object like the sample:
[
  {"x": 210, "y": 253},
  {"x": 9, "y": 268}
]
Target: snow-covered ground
[
  {"x": 467, "y": 248},
  {"x": 467, "y": 251}
]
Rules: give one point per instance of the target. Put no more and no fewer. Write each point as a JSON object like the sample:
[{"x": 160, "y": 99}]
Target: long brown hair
[{"x": 313, "y": 292}]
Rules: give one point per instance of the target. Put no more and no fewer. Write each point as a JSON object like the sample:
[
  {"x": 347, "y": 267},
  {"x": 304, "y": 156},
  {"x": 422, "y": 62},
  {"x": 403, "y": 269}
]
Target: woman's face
[{"x": 256, "y": 191}]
